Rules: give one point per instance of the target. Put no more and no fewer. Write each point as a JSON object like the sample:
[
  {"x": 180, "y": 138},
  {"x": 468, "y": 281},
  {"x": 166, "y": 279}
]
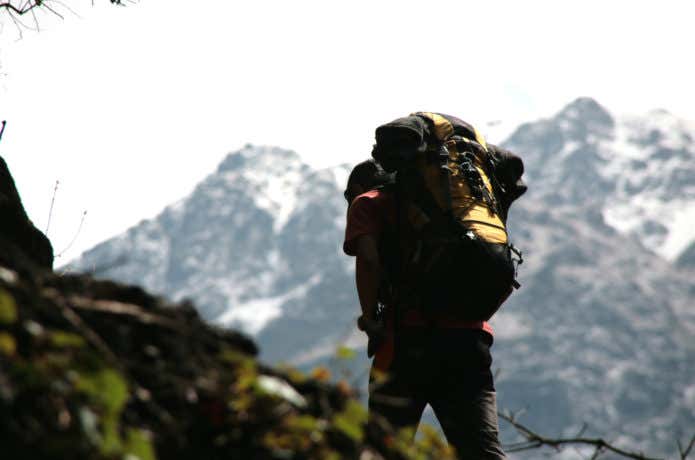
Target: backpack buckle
[{"x": 516, "y": 261}]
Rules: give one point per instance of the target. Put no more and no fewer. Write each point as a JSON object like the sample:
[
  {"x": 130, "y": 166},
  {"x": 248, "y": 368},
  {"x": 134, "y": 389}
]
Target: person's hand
[{"x": 375, "y": 330}]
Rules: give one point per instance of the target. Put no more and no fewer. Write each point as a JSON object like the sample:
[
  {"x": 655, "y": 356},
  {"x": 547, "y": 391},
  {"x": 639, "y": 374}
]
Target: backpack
[{"x": 449, "y": 250}]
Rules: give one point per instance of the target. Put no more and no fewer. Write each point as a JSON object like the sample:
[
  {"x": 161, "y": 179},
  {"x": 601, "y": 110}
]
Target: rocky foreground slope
[{"x": 94, "y": 369}]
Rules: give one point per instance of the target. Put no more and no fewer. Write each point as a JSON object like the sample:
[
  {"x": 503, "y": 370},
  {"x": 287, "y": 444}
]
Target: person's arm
[{"x": 368, "y": 277}]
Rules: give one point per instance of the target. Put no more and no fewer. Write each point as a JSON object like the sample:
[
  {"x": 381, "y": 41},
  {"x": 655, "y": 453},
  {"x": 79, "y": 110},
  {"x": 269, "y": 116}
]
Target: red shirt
[{"x": 369, "y": 213}]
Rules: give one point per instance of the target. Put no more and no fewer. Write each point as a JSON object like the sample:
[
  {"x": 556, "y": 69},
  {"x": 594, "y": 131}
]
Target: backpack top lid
[
  {"x": 445, "y": 126},
  {"x": 400, "y": 141}
]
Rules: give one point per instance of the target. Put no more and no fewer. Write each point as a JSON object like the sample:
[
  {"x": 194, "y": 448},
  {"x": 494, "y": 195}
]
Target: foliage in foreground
[{"x": 93, "y": 369}]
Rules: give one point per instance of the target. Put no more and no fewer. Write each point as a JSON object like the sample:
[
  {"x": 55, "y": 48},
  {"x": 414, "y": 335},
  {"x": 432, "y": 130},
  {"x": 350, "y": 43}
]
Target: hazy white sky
[{"x": 130, "y": 107}]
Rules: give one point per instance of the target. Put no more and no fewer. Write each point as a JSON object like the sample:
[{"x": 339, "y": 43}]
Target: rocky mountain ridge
[{"x": 639, "y": 169}]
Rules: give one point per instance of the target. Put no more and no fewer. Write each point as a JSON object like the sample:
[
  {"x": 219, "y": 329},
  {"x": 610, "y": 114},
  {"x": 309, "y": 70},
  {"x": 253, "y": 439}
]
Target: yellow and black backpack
[{"x": 449, "y": 250}]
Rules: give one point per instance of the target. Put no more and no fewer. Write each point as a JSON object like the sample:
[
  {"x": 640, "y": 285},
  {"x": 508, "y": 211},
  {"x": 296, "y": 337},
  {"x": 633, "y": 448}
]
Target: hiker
[{"x": 433, "y": 264}]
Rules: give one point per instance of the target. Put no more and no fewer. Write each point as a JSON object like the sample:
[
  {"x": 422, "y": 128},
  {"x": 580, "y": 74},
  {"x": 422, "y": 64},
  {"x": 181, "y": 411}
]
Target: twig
[
  {"x": 117, "y": 262},
  {"x": 534, "y": 441},
  {"x": 581, "y": 430},
  {"x": 107, "y": 306},
  {"x": 36, "y": 21},
  {"x": 64, "y": 5},
  {"x": 17, "y": 24},
  {"x": 597, "y": 452},
  {"x": 50, "y": 210},
  {"x": 685, "y": 452},
  {"x": 45, "y": 5},
  {"x": 121, "y": 308},
  {"x": 89, "y": 333},
  {"x": 74, "y": 238},
  {"x": 2, "y": 129}
]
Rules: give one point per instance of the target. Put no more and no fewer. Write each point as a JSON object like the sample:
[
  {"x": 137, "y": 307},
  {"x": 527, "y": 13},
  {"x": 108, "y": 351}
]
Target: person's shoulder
[
  {"x": 370, "y": 195},
  {"x": 367, "y": 215},
  {"x": 379, "y": 197}
]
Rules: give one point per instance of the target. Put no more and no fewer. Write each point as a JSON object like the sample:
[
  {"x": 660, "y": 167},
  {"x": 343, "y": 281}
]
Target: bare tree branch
[
  {"x": 685, "y": 452},
  {"x": 36, "y": 21},
  {"x": 19, "y": 9},
  {"x": 67, "y": 7},
  {"x": 534, "y": 441},
  {"x": 22, "y": 9},
  {"x": 17, "y": 23},
  {"x": 45, "y": 5}
]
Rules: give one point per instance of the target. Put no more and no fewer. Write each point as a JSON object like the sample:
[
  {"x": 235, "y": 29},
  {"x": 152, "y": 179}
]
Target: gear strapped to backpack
[{"x": 450, "y": 250}]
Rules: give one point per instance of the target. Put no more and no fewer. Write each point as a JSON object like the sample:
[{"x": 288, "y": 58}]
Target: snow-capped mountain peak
[
  {"x": 652, "y": 163},
  {"x": 271, "y": 175},
  {"x": 638, "y": 171},
  {"x": 585, "y": 116}
]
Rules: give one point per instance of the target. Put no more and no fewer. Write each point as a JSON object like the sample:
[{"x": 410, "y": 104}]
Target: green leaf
[
  {"x": 345, "y": 353},
  {"x": 63, "y": 339},
  {"x": 303, "y": 423},
  {"x": 111, "y": 443},
  {"x": 8, "y": 346},
  {"x": 351, "y": 421},
  {"x": 106, "y": 388},
  {"x": 8, "y": 308},
  {"x": 232, "y": 356},
  {"x": 138, "y": 445}
]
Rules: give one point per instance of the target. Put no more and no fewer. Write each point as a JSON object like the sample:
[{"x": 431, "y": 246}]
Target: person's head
[{"x": 364, "y": 177}]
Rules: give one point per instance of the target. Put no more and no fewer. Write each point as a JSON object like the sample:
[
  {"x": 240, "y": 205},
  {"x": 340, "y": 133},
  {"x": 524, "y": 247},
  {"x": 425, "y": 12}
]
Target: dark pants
[{"x": 449, "y": 369}]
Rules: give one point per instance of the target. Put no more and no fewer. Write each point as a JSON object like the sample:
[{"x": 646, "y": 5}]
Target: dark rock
[{"x": 16, "y": 226}]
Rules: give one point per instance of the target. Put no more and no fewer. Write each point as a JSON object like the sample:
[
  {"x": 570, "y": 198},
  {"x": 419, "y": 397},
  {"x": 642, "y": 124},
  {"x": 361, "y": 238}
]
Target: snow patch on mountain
[
  {"x": 651, "y": 160},
  {"x": 661, "y": 128},
  {"x": 253, "y": 315},
  {"x": 671, "y": 224}
]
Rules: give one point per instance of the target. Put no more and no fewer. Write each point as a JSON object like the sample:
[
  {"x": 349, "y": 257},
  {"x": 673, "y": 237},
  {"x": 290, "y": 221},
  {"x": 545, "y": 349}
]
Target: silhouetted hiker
[{"x": 433, "y": 265}]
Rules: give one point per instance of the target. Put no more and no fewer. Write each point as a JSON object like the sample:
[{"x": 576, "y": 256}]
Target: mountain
[
  {"x": 257, "y": 245},
  {"x": 602, "y": 331}
]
